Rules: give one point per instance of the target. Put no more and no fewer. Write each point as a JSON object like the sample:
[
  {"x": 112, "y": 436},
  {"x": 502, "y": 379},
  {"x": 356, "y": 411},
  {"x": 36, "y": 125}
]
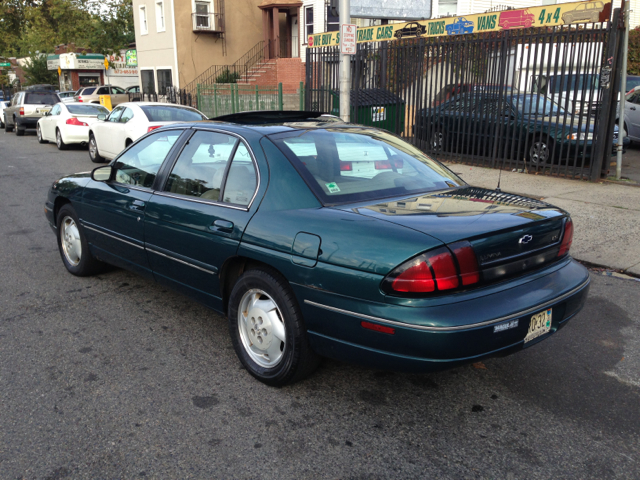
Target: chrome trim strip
[
  {"x": 197, "y": 200},
  {"x": 181, "y": 261},
  {"x": 450, "y": 329},
  {"x": 112, "y": 236}
]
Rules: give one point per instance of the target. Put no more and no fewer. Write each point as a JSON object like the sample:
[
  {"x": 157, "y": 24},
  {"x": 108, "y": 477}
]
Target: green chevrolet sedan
[{"x": 320, "y": 238}]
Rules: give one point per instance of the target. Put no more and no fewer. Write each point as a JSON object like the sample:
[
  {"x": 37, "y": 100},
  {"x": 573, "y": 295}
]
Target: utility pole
[
  {"x": 623, "y": 91},
  {"x": 345, "y": 65}
]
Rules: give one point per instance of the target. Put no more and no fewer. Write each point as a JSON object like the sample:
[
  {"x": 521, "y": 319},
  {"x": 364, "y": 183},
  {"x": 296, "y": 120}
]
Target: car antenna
[{"x": 499, "y": 177}]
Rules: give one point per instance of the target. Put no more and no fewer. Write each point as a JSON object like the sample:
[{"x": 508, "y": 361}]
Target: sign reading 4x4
[{"x": 545, "y": 16}]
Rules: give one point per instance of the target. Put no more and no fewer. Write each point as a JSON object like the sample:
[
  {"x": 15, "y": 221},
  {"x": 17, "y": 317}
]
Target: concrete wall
[{"x": 199, "y": 51}]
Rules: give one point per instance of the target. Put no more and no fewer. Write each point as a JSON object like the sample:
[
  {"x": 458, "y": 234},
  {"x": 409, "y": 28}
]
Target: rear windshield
[
  {"x": 343, "y": 165},
  {"x": 88, "y": 91},
  {"x": 170, "y": 113},
  {"x": 66, "y": 94},
  {"x": 87, "y": 109},
  {"x": 41, "y": 99}
]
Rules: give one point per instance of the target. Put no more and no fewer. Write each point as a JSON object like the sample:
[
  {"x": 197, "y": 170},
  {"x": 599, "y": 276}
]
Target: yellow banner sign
[{"x": 545, "y": 16}]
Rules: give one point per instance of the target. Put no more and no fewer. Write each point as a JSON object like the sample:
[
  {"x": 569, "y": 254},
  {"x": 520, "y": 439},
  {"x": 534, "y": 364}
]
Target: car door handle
[
  {"x": 137, "y": 205},
  {"x": 222, "y": 225},
  {"x": 632, "y": 108}
]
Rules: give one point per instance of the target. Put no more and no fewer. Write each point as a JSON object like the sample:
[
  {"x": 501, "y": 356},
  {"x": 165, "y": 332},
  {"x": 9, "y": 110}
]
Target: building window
[
  {"x": 308, "y": 22},
  {"x": 202, "y": 15},
  {"x": 160, "y": 16},
  {"x": 143, "y": 20},
  {"x": 447, "y": 8},
  {"x": 148, "y": 81},
  {"x": 164, "y": 81},
  {"x": 333, "y": 23}
]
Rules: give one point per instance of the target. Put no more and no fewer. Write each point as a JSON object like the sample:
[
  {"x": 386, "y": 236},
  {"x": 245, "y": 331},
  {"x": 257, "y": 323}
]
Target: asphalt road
[{"x": 115, "y": 377}]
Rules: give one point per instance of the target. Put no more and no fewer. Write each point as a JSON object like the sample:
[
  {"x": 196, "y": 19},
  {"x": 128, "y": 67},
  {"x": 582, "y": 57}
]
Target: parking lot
[{"x": 114, "y": 376}]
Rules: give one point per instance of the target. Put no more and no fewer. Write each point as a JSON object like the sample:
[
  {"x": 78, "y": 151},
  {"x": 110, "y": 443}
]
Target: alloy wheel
[
  {"x": 93, "y": 148},
  {"x": 261, "y": 327},
  {"x": 539, "y": 153},
  {"x": 59, "y": 139}
]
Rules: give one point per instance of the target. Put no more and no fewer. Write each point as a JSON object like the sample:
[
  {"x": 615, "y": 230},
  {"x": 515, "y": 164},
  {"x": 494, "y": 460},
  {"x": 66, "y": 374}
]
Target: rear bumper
[
  {"x": 441, "y": 336},
  {"x": 27, "y": 122},
  {"x": 74, "y": 134}
]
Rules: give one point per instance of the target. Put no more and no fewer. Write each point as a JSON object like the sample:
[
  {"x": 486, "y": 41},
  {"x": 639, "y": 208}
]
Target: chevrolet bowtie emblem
[{"x": 526, "y": 239}]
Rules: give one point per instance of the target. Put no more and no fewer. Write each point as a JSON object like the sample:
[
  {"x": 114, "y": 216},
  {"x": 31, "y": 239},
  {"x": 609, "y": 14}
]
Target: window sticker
[{"x": 333, "y": 187}]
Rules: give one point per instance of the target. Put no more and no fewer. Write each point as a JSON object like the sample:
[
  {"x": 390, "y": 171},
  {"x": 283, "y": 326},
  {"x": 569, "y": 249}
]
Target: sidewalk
[{"x": 606, "y": 216}]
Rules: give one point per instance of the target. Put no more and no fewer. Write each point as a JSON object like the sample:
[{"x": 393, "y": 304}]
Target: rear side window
[
  {"x": 87, "y": 91},
  {"x": 87, "y": 109},
  {"x": 41, "y": 99},
  {"x": 161, "y": 113}
]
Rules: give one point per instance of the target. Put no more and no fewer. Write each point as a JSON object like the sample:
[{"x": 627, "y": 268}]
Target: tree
[
  {"x": 35, "y": 71},
  {"x": 633, "y": 54},
  {"x": 112, "y": 27}
]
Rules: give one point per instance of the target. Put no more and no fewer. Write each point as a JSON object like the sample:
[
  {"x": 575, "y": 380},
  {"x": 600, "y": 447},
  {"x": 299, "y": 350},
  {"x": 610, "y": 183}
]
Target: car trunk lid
[{"x": 506, "y": 231}]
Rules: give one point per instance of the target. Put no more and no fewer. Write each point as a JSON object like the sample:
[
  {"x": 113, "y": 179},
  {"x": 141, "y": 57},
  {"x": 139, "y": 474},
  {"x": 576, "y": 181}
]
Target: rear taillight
[
  {"x": 21, "y": 110},
  {"x": 153, "y": 128},
  {"x": 388, "y": 164},
  {"x": 435, "y": 271},
  {"x": 75, "y": 121},
  {"x": 80, "y": 99},
  {"x": 467, "y": 262},
  {"x": 567, "y": 238},
  {"x": 346, "y": 166}
]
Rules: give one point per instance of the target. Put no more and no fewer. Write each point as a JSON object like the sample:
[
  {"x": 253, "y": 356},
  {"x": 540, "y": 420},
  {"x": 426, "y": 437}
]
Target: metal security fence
[
  {"x": 222, "y": 99},
  {"x": 535, "y": 99}
]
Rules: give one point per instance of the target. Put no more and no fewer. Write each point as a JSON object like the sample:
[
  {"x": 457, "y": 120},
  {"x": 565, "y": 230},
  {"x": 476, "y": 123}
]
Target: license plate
[
  {"x": 539, "y": 325},
  {"x": 42, "y": 110}
]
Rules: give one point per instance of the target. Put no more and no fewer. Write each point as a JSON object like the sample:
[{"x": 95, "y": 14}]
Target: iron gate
[{"x": 527, "y": 99}]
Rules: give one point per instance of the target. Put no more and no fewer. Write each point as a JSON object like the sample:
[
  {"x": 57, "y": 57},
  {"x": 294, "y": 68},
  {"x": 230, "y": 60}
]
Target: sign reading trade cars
[{"x": 545, "y": 16}]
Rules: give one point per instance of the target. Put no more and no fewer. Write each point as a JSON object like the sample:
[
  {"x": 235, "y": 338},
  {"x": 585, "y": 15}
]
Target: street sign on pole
[
  {"x": 348, "y": 39},
  {"x": 5, "y": 64}
]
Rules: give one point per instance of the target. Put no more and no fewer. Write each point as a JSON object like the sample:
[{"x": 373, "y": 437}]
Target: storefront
[{"x": 77, "y": 70}]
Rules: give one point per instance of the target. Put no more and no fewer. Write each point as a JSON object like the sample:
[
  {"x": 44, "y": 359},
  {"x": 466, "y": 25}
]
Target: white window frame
[
  {"x": 144, "y": 25},
  {"x": 155, "y": 75},
  {"x": 306, "y": 35},
  {"x": 210, "y": 11},
  {"x": 160, "y": 19}
]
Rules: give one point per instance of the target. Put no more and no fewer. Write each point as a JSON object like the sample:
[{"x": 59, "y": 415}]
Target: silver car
[{"x": 27, "y": 108}]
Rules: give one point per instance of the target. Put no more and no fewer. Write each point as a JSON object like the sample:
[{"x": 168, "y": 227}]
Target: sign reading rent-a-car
[
  {"x": 544, "y": 16},
  {"x": 348, "y": 43}
]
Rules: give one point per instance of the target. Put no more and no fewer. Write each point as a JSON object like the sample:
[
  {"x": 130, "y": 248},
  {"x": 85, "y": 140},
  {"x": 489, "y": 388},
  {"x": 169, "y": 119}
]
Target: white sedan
[
  {"x": 68, "y": 123},
  {"x": 3, "y": 105},
  {"x": 129, "y": 121}
]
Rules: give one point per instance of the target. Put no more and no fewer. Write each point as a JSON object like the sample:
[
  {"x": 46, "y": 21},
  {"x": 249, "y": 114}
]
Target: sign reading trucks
[{"x": 544, "y": 16}]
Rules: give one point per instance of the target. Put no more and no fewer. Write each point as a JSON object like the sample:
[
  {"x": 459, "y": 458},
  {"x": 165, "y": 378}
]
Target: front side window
[
  {"x": 204, "y": 163},
  {"x": 139, "y": 164},
  {"x": 127, "y": 115},
  {"x": 114, "y": 116},
  {"x": 343, "y": 165}
]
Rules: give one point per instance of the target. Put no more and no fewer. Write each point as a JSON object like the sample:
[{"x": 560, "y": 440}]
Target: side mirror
[
  {"x": 102, "y": 117},
  {"x": 102, "y": 174}
]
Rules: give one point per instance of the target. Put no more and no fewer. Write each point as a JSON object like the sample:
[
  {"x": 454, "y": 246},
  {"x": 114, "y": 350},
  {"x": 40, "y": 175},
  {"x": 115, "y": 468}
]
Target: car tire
[
  {"x": 19, "y": 131},
  {"x": 39, "y": 134},
  {"x": 540, "y": 151},
  {"x": 267, "y": 329},
  {"x": 73, "y": 245},
  {"x": 94, "y": 154},
  {"x": 59, "y": 142}
]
